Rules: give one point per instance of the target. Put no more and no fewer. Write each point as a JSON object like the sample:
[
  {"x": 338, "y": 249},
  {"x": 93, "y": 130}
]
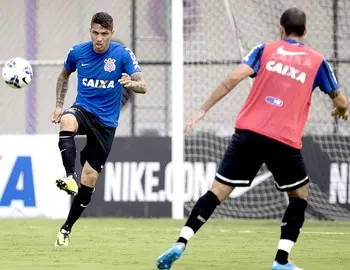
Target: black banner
[
  {"x": 132, "y": 182},
  {"x": 137, "y": 178}
]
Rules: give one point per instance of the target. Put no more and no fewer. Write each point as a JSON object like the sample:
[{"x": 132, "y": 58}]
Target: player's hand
[
  {"x": 344, "y": 114},
  {"x": 125, "y": 80},
  {"x": 193, "y": 120},
  {"x": 56, "y": 115}
]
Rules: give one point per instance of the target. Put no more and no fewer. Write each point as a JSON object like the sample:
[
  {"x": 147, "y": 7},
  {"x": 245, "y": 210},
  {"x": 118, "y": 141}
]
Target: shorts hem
[
  {"x": 292, "y": 187},
  {"x": 232, "y": 183}
]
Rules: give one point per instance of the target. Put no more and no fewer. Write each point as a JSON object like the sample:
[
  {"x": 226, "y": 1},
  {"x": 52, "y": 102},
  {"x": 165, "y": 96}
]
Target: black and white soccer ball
[{"x": 17, "y": 72}]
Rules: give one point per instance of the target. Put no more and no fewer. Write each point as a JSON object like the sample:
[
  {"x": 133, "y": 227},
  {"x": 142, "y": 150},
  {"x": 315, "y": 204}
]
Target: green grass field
[{"x": 135, "y": 243}]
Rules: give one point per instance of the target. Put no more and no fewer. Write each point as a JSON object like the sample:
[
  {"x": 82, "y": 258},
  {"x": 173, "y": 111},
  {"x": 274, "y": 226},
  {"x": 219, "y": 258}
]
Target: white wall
[{"x": 29, "y": 166}]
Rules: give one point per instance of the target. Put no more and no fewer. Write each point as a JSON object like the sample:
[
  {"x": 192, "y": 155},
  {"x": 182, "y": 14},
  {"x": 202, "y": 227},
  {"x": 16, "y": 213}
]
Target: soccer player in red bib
[{"x": 268, "y": 130}]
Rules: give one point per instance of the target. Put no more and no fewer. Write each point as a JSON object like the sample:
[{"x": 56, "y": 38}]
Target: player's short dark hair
[
  {"x": 103, "y": 19},
  {"x": 294, "y": 21}
]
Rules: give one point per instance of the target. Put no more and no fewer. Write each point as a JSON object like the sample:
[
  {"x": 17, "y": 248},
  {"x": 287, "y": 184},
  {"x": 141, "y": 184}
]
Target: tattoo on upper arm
[
  {"x": 140, "y": 85},
  {"x": 334, "y": 93},
  {"x": 137, "y": 77}
]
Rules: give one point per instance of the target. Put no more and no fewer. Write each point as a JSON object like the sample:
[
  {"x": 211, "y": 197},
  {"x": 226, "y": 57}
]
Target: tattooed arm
[
  {"x": 135, "y": 83},
  {"x": 61, "y": 91},
  {"x": 340, "y": 103},
  {"x": 62, "y": 87},
  {"x": 327, "y": 82}
]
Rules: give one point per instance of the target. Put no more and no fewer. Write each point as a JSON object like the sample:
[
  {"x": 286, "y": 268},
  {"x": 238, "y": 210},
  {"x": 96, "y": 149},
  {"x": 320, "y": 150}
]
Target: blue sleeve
[
  {"x": 325, "y": 78},
  {"x": 252, "y": 59},
  {"x": 70, "y": 64},
  {"x": 130, "y": 62}
]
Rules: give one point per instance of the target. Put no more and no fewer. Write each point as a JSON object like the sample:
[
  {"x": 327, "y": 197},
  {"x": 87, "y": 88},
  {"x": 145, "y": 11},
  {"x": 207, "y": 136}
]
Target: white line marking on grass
[
  {"x": 273, "y": 232},
  {"x": 230, "y": 231},
  {"x": 334, "y": 233},
  {"x": 238, "y": 231}
]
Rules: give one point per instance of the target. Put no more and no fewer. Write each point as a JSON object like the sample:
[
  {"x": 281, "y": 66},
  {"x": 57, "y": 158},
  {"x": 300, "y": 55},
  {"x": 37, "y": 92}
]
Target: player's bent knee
[
  {"x": 68, "y": 123},
  {"x": 302, "y": 193},
  {"x": 89, "y": 175},
  {"x": 89, "y": 179},
  {"x": 222, "y": 191}
]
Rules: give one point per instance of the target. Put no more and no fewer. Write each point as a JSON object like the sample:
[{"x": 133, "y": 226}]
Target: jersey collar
[{"x": 294, "y": 42}]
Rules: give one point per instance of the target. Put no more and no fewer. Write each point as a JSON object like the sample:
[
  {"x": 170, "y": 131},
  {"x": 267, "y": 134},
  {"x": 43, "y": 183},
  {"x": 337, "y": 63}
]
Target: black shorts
[
  {"x": 99, "y": 137},
  {"x": 247, "y": 152}
]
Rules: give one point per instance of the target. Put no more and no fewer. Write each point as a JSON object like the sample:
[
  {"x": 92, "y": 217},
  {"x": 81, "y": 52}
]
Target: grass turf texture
[{"x": 135, "y": 244}]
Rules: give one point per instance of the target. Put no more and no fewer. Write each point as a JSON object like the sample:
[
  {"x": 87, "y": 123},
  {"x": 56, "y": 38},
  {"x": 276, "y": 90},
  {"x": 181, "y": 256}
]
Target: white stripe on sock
[
  {"x": 285, "y": 245},
  {"x": 186, "y": 233}
]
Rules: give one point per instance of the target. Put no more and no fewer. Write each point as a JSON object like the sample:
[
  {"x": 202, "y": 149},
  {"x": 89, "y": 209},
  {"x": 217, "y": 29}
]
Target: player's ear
[
  {"x": 282, "y": 32},
  {"x": 305, "y": 32}
]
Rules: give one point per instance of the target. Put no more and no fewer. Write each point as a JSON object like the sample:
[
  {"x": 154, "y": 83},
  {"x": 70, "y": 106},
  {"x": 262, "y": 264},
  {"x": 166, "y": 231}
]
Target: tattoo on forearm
[
  {"x": 139, "y": 85},
  {"x": 334, "y": 94},
  {"x": 61, "y": 90}
]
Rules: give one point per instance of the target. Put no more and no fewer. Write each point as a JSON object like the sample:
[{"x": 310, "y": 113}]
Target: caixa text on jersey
[{"x": 96, "y": 83}]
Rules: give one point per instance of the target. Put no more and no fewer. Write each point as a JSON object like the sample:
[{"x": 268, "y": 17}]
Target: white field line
[
  {"x": 234, "y": 231},
  {"x": 273, "y": 232}
]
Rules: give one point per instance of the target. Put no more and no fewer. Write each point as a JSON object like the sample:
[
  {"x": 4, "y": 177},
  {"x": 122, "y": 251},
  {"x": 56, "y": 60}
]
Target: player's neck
[
  {"x": 295, "y": 38},
  {"x": 101, "y": 52}
]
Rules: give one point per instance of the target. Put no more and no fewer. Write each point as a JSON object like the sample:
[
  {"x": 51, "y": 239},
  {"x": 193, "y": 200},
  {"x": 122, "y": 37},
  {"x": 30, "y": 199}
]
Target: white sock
[
  {"x": 285, "y": 245},
  {"x": 186, "y": 233}
]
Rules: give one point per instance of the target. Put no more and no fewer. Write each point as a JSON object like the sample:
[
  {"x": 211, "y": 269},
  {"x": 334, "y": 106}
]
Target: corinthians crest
[{"x": 109, "y": 64}]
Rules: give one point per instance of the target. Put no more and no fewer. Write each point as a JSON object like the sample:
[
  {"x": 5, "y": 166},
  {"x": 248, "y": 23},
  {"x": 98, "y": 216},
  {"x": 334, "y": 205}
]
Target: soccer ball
[{"x": 17, "y": 72}]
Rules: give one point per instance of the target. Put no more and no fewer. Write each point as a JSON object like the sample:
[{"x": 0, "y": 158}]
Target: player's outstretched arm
[
  {"x": 135, "y": 82},
  {"x": 340, "y": 103},
  {"x": 224, "y": 87},
  {"x": 61, "y": 91},
  {"x": 243, "y": 71}
]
